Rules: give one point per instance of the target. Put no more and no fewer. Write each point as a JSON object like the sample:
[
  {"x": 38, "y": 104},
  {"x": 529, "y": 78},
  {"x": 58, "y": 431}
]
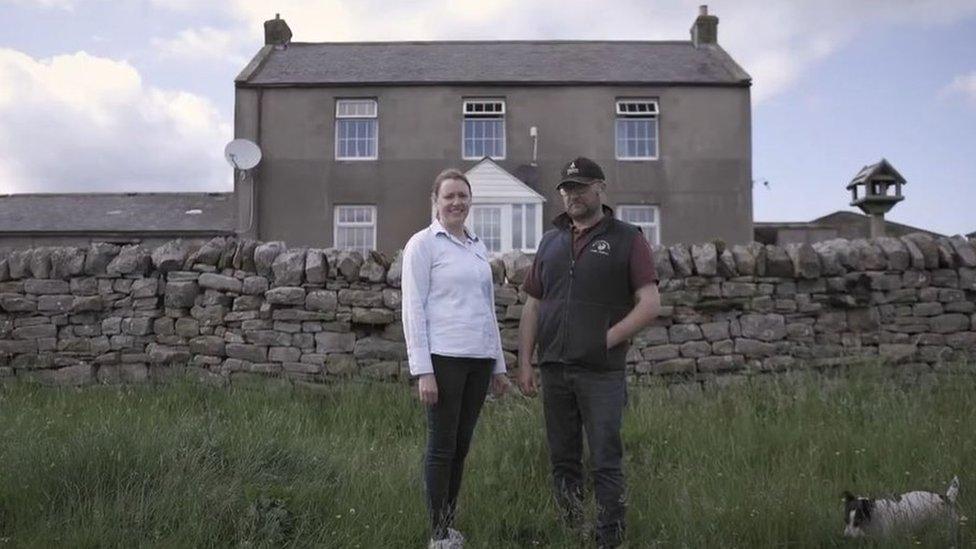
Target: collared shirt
[
  {"x": 642, "y": 269},
  {"x": 448, "y": 300}
]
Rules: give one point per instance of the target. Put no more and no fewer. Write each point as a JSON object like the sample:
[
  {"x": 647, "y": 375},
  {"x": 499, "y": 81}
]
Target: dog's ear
[{"x": 848, "y": 497}]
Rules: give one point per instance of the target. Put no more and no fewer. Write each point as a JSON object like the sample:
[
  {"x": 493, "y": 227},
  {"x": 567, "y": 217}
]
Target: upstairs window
[
  {"x": 356, "y": 129},
  {"x": 483, "y": 133},
  {"x": 636, "y": 129},
  {"x": 645, "y": 217}
]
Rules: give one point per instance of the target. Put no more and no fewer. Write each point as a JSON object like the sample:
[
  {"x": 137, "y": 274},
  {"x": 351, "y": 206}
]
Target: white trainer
[{"x": 455, "y": 537}]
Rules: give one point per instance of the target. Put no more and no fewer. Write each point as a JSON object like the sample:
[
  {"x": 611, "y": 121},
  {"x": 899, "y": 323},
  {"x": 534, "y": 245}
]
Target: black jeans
[
  {"x": 462, "y": 384},
  {"x": 577, "y": 400}
]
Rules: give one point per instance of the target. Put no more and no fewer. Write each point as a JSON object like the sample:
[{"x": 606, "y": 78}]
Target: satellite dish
[{"x": 242, "y": 154}]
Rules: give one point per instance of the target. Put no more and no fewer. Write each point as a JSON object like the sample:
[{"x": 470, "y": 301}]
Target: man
[{"x": 592, "y": 286}]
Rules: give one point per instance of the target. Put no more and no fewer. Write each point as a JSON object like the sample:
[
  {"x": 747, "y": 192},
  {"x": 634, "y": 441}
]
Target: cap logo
[{"x": 572, "y": 169}]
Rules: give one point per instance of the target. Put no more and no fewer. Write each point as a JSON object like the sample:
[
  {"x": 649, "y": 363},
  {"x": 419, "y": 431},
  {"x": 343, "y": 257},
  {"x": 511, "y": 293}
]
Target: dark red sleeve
[
  {"x": 532, "y": 285},
  {"x": 642, "y": 270}
]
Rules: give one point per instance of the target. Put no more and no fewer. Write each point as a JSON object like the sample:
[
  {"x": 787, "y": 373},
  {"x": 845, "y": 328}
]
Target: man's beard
[{"x": 580, "y": 211}]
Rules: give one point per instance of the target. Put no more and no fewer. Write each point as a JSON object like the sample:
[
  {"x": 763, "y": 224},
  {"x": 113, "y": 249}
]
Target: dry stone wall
[{"x": 230, "y": 309}]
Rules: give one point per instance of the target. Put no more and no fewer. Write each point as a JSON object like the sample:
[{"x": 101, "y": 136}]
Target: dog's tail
[{"x": 952, "y": 492}]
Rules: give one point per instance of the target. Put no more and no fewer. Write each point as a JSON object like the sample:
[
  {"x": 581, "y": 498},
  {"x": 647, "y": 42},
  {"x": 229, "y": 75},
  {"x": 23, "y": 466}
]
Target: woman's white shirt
[{"x": 448, "y": 300}]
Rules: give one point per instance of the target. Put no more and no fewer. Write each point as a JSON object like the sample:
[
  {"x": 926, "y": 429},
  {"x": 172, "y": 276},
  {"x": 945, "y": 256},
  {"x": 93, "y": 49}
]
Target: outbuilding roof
[
  {"x": 118, "y": 212},
  {"x": 493, "y": 63}
]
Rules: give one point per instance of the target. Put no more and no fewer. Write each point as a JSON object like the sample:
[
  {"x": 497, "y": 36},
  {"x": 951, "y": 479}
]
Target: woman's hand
[
  {"x": 427, "y": 389},
  {"x": 499, "y": 385}
]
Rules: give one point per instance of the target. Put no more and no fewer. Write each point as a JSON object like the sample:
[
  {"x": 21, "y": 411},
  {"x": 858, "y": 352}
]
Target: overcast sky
[{"x": 137, "y": 95}]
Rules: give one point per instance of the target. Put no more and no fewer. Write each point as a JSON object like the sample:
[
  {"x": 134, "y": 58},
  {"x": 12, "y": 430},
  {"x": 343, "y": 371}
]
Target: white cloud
[
  {"x": 964, "y": 85},
  {"x": 67, "y": 5},
  {"x": 179, "y": 5},
  {"x": 85, "y": 123},
  {"x": 202, "y": 44},
  {"x": 776, "y": 42}
]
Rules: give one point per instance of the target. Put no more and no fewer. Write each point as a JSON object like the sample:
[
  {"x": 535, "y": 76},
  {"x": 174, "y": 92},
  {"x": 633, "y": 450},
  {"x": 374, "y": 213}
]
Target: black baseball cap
[{"x": 581, "y": 170}]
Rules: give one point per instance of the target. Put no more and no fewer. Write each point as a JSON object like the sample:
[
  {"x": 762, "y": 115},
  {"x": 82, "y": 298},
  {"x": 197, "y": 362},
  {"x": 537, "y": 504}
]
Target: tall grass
[{"x": 184, "y": 465}]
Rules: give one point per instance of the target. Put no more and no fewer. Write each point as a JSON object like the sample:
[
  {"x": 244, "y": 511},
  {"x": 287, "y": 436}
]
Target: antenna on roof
[{"x": 243, "y": 155}]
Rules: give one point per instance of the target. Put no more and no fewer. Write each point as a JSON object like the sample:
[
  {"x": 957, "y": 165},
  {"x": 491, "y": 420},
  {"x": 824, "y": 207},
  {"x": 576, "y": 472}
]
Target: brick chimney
[
  {"x": 276, "y": 32},
  {"x": 705, "y": 29}
]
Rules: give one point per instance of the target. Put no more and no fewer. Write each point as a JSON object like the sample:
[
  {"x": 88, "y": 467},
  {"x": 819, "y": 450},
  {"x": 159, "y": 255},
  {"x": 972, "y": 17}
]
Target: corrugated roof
[
  {"x": 117, "y": 212},
  {"x": 493, "y": 63}
]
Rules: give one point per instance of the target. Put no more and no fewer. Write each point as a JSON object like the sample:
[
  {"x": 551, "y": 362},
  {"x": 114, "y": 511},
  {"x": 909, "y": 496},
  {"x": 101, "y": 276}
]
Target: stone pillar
[{"x": 877, "y": 225}]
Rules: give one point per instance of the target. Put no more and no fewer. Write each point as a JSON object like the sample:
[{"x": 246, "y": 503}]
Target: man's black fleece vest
[{"x": 583, "y": 296}]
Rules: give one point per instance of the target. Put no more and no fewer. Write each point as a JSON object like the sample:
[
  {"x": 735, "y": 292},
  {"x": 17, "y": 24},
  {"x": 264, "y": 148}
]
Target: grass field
[{"x": 185, "y": 465}]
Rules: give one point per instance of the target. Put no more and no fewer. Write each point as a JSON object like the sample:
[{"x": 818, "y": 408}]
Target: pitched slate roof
[
  {"x": 493, "y": 63},
  {"x": 118, "y": 212}
]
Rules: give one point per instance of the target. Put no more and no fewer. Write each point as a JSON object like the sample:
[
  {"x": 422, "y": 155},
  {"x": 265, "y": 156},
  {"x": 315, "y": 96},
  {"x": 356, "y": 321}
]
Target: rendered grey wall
[{"x": 702, "y": 179}]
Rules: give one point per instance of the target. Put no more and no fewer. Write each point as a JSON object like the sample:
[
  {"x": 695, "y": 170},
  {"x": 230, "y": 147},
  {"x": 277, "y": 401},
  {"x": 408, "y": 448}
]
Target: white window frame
[
  {"x": 638, "y": 109},
  {"x": 486, "y": 108},
  {"x": 351, "y": 224},
  {"x": 506, "y": 223},
  {"x": 364, "y": 115},
  {"x": 537, "y": 225},
  {"x": 655, "y": 228},
  {"x": 504, "y": 228}
]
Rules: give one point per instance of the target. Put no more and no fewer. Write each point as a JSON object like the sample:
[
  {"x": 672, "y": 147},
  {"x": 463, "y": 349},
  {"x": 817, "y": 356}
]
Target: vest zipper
[{"x": 569, "y": 294}]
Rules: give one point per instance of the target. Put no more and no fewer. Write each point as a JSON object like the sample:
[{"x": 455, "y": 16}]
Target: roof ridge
[
  {"x": 114, "y": 193},
  {"x": 483, "y": 42}
]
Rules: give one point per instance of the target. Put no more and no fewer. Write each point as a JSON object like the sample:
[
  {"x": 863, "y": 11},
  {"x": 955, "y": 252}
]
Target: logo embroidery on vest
[{"x": 600, "y": 247}]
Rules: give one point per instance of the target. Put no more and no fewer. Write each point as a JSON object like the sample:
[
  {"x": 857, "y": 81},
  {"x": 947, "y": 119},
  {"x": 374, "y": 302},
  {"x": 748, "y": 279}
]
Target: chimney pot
[{"x": 703, "y": 9}]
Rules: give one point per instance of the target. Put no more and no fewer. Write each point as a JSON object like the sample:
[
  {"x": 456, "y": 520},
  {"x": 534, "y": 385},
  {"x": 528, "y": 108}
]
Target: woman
[{"x": 453, "y": 343}]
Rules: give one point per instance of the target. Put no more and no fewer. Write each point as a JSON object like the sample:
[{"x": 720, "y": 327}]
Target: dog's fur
[{"x": 867, "y": 517}]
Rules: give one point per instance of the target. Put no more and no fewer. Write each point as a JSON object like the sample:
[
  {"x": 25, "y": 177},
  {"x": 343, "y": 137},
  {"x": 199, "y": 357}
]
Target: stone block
[
  {"x": 332, "y": 342},
  {"x": 754, "y": 348},
  {"x": 680, "y": 333},
  {"x": 376, "y": 348},
  {"x": 696, "y": 349},
  {"x": 284, "y": 354},
  {"x": 222, "y": 283},
  {"x": 321, "y": 301},
  {"x": 765, "y": 327},
  {"x": 285, "y": 295},
  {"x": 249, "y": 353},
  {"x": 720, "y": 363},
  {"x": 660, "y": 352},
  {"x": 376, "y": 316}
]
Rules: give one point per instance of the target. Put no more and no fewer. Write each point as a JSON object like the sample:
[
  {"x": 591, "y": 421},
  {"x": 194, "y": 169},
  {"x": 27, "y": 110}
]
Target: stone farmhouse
[{"x": 353, "y": 134}]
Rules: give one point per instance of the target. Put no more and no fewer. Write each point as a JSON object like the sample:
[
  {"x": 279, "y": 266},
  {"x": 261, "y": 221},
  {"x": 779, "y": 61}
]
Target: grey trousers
[{"x": 581, "y": 402}]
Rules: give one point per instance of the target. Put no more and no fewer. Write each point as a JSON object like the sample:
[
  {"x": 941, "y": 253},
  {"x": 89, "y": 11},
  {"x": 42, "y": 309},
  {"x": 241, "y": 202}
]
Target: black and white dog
[{"x": 884, "y": 516}]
